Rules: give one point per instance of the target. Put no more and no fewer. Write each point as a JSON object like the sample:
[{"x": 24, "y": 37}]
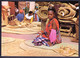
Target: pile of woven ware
[
  {"x": 67, "y": 12},
  {"x": 17, "y": 24}
]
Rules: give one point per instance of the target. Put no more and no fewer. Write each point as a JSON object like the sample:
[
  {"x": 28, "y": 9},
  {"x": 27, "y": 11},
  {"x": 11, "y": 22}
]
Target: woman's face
[
  {"x": 28, "y": 5},
  {"x": 50, "y": 14}
]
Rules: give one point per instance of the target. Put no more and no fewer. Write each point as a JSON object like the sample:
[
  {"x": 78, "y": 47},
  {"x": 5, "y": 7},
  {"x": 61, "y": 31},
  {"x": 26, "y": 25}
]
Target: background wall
[
  {"x": 5, "y": 3},
  {"x": 32, "y": 5}
]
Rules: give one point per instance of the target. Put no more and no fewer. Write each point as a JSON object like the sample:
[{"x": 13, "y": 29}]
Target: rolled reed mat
[
  {"x": 73, "y": 20},
  {"x": 72, "y": 6},
  {"x": 62, "y": 11},
  {"x": 7, "y": 40},
  {"x": 66, "y": 21},
  {"x": 43, "y": 13},
  {"x": 66, "y": 5},
  {"x": 66, "y": 13},
  {"x": 66, "y": 10}
]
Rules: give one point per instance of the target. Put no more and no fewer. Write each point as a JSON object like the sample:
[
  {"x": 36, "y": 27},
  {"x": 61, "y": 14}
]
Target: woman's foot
[{"x": 75, "y": 40}]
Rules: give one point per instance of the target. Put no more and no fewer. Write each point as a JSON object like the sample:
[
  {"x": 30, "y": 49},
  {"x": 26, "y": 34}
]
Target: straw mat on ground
[
  {"x": 11, "y": 48},
  {"x": 29, "y": 43},
  {"x": 7, "y": 40},
  {"x": 26, "y": 30},
  {"x": 14, "y": 49}
]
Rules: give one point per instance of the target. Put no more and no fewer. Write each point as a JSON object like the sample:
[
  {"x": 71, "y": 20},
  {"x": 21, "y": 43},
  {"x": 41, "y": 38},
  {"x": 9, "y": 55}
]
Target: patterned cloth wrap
[{"x": 38, "y": 41}]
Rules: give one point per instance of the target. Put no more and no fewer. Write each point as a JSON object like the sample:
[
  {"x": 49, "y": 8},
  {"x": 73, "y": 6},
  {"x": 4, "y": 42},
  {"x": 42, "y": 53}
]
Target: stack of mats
[
  {"x": 66, "y": 13},
  {"x": 66, "y": 16}
]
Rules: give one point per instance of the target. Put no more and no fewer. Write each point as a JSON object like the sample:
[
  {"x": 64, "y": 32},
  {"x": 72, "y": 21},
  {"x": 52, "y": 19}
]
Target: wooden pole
[{"x": 43, "y": 25}]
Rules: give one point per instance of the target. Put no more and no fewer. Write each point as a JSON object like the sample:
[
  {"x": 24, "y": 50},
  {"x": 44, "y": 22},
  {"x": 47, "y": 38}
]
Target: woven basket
[{"x": 43, "y": 13}]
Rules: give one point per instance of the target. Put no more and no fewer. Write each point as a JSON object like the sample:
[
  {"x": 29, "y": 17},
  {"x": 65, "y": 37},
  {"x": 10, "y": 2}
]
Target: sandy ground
[{"x": 13, "y": 48}]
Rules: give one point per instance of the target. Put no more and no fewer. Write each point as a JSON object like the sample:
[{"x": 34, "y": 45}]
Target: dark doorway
[{"x": 16, "y": 4}]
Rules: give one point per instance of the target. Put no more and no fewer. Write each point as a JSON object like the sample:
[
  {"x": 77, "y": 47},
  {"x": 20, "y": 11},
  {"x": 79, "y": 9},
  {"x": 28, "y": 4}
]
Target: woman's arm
[{"x": 54, "y": 25}]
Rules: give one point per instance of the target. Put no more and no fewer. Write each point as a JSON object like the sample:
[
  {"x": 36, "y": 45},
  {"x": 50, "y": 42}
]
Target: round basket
[{"x": 43, "y": 13}]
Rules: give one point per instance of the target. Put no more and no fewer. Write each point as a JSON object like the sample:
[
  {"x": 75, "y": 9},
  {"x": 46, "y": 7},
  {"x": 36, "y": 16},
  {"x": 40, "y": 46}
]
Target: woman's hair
[
  {"x": 54, "y": 11},
  {"x": 30, "y": 12}
]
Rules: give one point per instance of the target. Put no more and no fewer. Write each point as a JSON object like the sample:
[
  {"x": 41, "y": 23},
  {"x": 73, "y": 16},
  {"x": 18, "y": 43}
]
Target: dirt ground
[{"x": 13, "y": 48}]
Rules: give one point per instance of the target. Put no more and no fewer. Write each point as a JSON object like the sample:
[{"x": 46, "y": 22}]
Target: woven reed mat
[
  {"x": 25, "y": 30},
  {"x": 66, "y": 13},
  {"x": 7, "y": 40},
  {"x": 30, "y": 44},
  {"x": 14, "y": 49},
  {"x": 11, "y": 48},
  {"x": 71, "y": 21}
]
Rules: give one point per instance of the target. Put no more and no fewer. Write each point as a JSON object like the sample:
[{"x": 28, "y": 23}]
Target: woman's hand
[{"x": 40, "y": 33}]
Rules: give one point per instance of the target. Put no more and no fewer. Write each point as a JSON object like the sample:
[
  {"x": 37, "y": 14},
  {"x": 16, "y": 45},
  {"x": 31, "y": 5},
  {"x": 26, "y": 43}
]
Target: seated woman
[
  {"x": 20, "y": 16},
  {"x": 51, "y": 35},
  {"x": 29, "y": 16}
]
